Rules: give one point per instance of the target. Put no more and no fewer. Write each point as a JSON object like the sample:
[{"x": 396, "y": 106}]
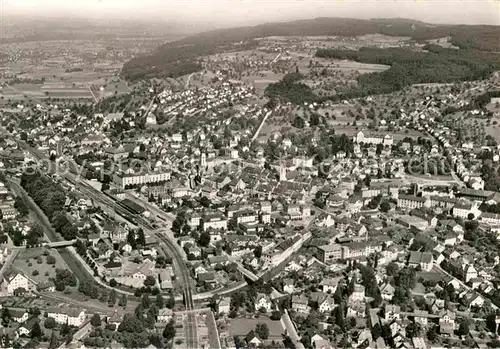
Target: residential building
[
  {"x": 17, "y": 281},
  {"x": 215, "y": 221},
  {"x": 300, "y": 303},
  {"x": 164, "y": 315},
  {"x": 329, "y": 253},
  {"x": 386, "y": 140},
  {"x": 123, "y": 180},
  {"x": 263, "y": 301},
  {"x": 70, "y": 316},
  {"x": 423, "y": 259}
]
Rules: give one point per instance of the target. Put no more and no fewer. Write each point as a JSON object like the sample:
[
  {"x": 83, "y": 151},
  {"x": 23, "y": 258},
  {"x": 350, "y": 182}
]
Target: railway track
[{"x": 187, "y": 288}]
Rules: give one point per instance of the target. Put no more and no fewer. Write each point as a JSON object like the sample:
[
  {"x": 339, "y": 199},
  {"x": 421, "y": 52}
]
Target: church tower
[
  {"x": 282, "y": 172},
  {"x": 203, "y": 161}
]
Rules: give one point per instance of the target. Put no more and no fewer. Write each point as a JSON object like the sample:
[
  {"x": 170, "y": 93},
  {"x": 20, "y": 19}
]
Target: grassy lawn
[
  {"x": 241, "y": 327},
  {"x": 493, "y": 130},
  {"x": 430, "y": 276},
  {"x": 33, "y": 259}
]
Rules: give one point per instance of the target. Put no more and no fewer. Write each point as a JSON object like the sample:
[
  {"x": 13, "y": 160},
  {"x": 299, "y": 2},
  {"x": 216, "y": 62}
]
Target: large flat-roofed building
[
  {"x": 411, "y": 201},
  {"x": 124, "y": 180},
  {"x": 330, "y": 252},
  {"x": 214, "y": 220},
  {"x": 413, "y": 222},
  {"x": 360, "y": 137}
]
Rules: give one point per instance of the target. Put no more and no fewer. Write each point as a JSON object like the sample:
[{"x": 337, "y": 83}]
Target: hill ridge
[{"x": 180, "y": 57}]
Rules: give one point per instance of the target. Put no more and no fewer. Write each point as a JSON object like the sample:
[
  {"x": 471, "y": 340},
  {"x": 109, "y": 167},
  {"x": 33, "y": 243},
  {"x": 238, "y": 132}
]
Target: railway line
[{"x": 139, "y": 221}]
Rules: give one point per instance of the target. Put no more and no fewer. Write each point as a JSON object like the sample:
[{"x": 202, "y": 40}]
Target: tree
[
  {"x": 376, "y": 331},
  {"x": 385, "y": 206},
  {"x": 432, "y": 335},
  {"x": 156, "y": 340},
  {"x": 50, "y": 260},
  {"x": 471, "y": 225},
  {"x": 258, "y": 251},
  {"x": 64, "y": 278},
  {"x": 262, "y": 330},
  {"x": 150, "y": 281},
  {"x": 54, "y": 341},
  {"x": 352, "y": 322},
  {"x": 213, "y": 303},
  {"x": 6, "y": 317},
  {"x": 36, "y": 331},
  {"x": 275, "y": 315},
  {"x": 171, "y": 302},
  {"x": 204, "y": 239},
  {"x": 96, "y": 320},
  {"x": 413, "y": 330},
  {"x": 298, "y": 122},
  {"x": 145, "y": 301},
  {"x": 132, "y": 240},
  {"x": 35, "y": 311},
  {"x": 339, "y": 315},
  {"x": 160, "y": 303},
  {"x": 123, "y": 301},
  {"x": 49, "y": 323},
  {"x": 112, "y": 298},
  {"x": 169, "y": 331},
  {"x": 141, "y": 238},
  {"x": 205, "y": 202},
  {"x": 179, "y": 222},
  {"x": 463, "y": 329},
  {"x": 21, "y": 206},
  {"x": 131, "y": 323}
]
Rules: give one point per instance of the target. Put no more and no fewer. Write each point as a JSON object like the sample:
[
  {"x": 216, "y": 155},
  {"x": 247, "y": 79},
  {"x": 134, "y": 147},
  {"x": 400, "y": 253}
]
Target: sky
[{"x": 223, "y": 13}]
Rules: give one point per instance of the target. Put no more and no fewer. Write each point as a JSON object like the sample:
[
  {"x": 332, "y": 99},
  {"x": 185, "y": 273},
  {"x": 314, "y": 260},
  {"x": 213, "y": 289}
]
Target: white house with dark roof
[
  {"x": 469, "y": 272},
  {"x": 18, "y": 280},
  {"x": 288, "y": 286},
  {"x": 263, "y": 301},
  {"x": 423, "y": 259},
  {"x": 70, "y": 316},
  {"x": 327, "y": 305},
  {"x": 300, "y": 303},
  {"x": 329, "y": 285}
]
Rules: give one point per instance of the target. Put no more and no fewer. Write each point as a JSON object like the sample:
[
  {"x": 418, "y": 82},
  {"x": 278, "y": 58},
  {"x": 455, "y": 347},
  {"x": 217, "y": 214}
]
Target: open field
[
  {"x": 430, "y": 276},
  {"x": 241, "y": 327},
  {"x": 29, "y": 260},
  {"x": 493, "y": 131},
  {"x": 493, "y": 128},
  {"x": 38, "y": 92},
  {"x": 262, "y": 79},
  {"x": 347, "y": 65}
]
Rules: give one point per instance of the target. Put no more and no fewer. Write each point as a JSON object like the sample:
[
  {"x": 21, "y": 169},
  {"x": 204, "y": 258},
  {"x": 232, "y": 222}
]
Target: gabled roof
[{"x": 251, "y": 335}]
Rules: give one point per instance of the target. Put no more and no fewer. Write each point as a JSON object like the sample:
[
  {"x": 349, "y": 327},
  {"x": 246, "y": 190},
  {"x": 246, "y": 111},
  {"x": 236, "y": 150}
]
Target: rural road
[{"x": 189, "y": 80}]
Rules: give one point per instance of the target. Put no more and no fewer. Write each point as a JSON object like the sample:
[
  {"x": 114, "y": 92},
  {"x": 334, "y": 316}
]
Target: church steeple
[{"x": 282, "y": 172}]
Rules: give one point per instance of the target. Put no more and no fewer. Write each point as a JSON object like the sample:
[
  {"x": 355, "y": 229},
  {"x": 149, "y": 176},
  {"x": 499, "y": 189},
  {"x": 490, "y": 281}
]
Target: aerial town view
[{"x": 255, "y": 182}]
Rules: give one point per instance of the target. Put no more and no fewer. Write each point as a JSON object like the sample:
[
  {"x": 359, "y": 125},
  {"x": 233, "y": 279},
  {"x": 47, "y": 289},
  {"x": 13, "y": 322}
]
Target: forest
[
  {"x": 180, "y": 57},
  {"x": 407, "y": 67},
  {"x": 50, "y": 197},
  {"x": 289, "y": 89}
]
